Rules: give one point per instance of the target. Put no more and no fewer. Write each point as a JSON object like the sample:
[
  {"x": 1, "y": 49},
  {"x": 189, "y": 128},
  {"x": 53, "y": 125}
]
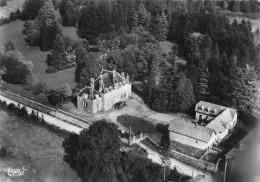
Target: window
[
  {"x": 125, "y": 95},
  {"x": 200, "y": 117}
]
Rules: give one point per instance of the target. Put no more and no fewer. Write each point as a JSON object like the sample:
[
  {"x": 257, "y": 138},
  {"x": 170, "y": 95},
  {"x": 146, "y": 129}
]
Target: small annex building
[
  {"x": 211, "y": 125},
  {"x": 104, "y": 92}
]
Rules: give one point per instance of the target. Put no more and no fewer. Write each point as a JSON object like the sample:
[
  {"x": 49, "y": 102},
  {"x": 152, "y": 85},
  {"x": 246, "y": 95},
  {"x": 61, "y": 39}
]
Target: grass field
[
  {"x": 13, "y": 32},
  {"x": 35, "y": 148},
  {"x": 12, "y": 5}
]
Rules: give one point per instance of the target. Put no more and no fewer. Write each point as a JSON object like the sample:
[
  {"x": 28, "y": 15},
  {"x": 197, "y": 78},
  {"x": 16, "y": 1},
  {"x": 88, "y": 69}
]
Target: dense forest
[{"x": 222, "y": 56}]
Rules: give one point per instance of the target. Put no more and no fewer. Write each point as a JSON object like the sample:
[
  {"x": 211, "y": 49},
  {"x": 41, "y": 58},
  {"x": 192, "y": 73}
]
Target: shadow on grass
[
  {"x": 137, "y": 124},
  {"x": 70, "y": 145}
]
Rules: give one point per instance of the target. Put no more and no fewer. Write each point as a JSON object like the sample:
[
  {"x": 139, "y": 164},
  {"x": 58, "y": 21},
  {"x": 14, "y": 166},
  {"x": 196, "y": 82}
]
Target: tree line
[{"x": 222, "y": 57}]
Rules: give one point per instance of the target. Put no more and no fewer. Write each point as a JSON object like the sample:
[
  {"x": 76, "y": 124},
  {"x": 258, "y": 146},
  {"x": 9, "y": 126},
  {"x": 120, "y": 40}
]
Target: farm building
[
  {"x": 109, "y": 89},
  {"x": 219, "y": 118},
  {"x": 212, "y": 124}
]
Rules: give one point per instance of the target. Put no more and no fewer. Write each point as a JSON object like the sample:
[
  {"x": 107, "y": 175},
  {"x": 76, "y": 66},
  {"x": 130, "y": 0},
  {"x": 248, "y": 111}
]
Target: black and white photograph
[{"x": 129, "y": 90}]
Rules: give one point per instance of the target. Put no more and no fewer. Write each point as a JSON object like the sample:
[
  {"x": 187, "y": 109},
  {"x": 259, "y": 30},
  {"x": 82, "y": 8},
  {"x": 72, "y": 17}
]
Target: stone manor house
[{"x": 103, "y": 93}]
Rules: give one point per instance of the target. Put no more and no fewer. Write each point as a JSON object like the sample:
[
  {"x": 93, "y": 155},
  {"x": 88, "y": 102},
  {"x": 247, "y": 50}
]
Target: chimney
[
  {"x": 92, "y": 88},
  {"x": 114, "y": 79},
  {"x": 127, "y": 78},
  {"x": 100, "y": 85},
  {"x": 123, "y": 74}
]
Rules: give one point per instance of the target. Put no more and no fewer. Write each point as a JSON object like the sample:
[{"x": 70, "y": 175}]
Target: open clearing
[
  {"x": 136, "y": 113},
  {"x": 255, "y": 23},
  {"x": 12, "y": 5},
  {"x": 34, "y": 148},
  {"x": 13, "y": 32}
]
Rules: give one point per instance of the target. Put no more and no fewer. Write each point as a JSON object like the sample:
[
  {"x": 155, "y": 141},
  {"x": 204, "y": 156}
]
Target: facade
[
  {"x": 191, "y": 134},
  {"x": 219, "y": 118},
  {"x": 211, "y": 125},
  {"x": 103, "y": 93}
]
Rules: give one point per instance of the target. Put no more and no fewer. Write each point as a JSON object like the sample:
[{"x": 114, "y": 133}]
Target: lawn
[
  {"x": 35, "y": 148},
  {"x": 13, "y": 32},
  {"x": 12, "y": 5}
]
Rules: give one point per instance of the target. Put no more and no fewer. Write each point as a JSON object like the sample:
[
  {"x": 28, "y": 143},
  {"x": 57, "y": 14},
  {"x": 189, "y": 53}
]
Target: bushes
[
  {"x": 39, "y": 88},
  {"x": 51, "y": 69},
  {"x": 3, "y": 152},
  {"x": 55, "y": 97}
]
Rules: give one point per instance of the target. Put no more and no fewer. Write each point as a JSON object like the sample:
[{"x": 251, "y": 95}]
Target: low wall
[
  {"x": 199, "y": 163},
  {"x": 51, "y": 116}
]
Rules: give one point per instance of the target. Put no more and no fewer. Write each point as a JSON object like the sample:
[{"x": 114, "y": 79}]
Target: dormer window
[
  {"x": 207, "y": 109},
  {"x": 201, "y": 107}
]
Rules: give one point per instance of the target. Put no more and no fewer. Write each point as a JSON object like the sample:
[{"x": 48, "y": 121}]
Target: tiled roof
[
  {"x": 191, "y": 130},
  {"x": 109, "y": 80},
  {"x": 209, "y": 108},
  {"x": 221, "y": 122},
  {"x": 212, "y": 109}
]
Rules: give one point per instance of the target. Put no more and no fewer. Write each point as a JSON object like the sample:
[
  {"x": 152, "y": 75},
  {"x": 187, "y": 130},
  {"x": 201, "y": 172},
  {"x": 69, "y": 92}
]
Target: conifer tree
[
  {"x": 142, "y": 15},
  {"x": 63, "y": 7},
  {"x": 234, "y": 6},
  {"x": 89, "y": 68},
  {"x": 163, "y": 27},
  {"x": 245, "y": 6},
  {"x": 88, "y": 22},
  {"x": 49, "y": 31},
  {"x": 47, "y": 12},
  {"x": 57, "y": 58},
  {"x": 31, "y": 8},
  {"x": 133, "y": 20}
]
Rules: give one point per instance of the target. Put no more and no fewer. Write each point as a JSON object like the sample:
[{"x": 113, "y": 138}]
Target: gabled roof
[
  {"x": 213, "y": 109},
  {"x": 191, "y": 130},
  {"x": 222, "y": 122}
]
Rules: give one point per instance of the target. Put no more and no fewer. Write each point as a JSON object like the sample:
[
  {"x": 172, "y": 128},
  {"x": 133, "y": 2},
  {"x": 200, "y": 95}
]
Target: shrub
[
  {"x": 51, "y": 69},
  {"x": 55, "y": 97},
  {"x": 11, "y": 107},
  {"x": 39, "y": 88},
  {"x": 3, "y": 152},
  {"x": 22, "y": 111},
  {"x": 3, "y": 104},
  {"x": 65, "y": 90}
]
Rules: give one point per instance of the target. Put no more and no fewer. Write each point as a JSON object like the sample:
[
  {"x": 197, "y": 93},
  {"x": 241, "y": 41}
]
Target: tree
[
  {"x": 165, "y": 140},
  {"x": 234, "y": 6},
  {"x": 245, "y": 6},
  {"x": 57, "y": 58},
  {"x": 63, "y": 7},
  {"x": 31, "y": 8},
  {"x": 16, "y": 70},
  {"x": 143, "y": 18},
  {"x": 254, "y": 6},
  {"x": 47, "y": 12},
  {"x": 98, "y": 152},
  {"x": 89, "y": 68},
  {"x": 54, "y": 97},
  {"x": 65, "y": 90},
  {"x": 88, "y": 22}
]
